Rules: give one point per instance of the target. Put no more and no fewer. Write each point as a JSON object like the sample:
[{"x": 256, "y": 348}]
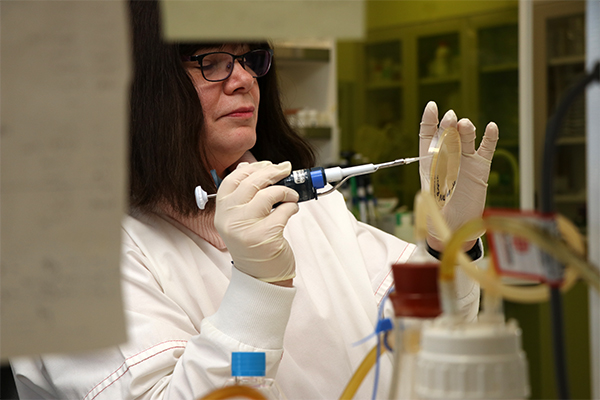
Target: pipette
[{"x": 307, "y": 181}]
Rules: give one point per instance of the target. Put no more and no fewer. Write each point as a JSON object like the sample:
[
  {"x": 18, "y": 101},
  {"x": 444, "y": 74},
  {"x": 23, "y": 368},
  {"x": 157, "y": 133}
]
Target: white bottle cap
[
  {"x": 471, "y": 361},
  {"x": 201, "y": 197}
]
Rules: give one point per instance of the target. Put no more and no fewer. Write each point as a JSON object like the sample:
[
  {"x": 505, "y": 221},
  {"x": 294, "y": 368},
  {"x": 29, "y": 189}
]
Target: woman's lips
[{"x": 242, "y": 112}]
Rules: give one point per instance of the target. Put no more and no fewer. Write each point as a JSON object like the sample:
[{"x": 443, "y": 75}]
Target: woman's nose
[{"x": 240, "y": 78}]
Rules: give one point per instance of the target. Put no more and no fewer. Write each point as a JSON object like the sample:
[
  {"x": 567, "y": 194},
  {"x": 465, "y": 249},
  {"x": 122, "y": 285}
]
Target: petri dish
[{"x": 445, "y": 148}]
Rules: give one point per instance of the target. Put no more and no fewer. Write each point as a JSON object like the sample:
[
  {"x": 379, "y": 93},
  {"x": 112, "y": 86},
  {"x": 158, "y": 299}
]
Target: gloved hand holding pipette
[
  {"x": 306, "y": 181},
  {"x": 468, "y": 199},
  {"x": 252, "y": 231}
]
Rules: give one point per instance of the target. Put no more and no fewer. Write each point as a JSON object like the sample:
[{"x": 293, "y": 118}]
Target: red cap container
[{"x": 416, "y": 293}]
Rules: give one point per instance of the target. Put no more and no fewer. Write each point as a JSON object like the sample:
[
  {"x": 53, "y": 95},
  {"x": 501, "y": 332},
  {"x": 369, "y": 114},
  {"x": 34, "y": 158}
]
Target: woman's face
[{"x": 230, "y": 110}]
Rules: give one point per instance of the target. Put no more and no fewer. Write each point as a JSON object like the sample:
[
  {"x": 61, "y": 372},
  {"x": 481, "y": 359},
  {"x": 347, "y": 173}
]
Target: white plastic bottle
[{"x": 248, "y": 369}]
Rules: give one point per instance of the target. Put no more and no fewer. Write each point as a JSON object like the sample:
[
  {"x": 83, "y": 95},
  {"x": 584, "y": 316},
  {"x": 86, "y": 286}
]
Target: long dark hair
[{"x": 167, "y": 153}]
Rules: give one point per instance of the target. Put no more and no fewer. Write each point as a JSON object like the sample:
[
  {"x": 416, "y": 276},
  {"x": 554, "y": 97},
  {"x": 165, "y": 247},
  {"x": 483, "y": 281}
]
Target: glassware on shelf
[
  {"x": 440, "y": 65},
  {"x": 439, "y": 57},
  {"x": 383, "y": 63}
]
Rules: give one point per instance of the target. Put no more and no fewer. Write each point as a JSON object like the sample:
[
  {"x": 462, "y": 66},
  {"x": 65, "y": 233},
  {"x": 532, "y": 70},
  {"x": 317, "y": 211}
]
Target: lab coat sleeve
[
  {"x": 467, "y": 289},
  {"x": 252, "y": 317},
  {"x": 167, "y": 356}
]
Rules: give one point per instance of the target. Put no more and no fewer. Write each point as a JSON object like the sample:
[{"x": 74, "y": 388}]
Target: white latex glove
[
  {"x": 468, "y": 199},
  {"x": 248, "y": 224}
]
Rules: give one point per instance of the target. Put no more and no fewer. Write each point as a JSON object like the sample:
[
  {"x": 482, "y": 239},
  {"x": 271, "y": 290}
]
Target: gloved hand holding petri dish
[{"x": 457, "y": 174}]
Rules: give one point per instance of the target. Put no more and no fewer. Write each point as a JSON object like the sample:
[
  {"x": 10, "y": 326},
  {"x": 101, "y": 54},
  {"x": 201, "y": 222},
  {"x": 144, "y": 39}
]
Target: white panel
[
  {"x": 262, "y": 19},
  {"x": 65, "y": 70}
]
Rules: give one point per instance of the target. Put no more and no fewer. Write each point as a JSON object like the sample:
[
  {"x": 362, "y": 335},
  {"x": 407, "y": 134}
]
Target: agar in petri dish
[{"x": 445, "y": 148}]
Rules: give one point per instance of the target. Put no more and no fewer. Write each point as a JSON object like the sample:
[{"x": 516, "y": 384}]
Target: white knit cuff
[{"x": 253, "y": 312}]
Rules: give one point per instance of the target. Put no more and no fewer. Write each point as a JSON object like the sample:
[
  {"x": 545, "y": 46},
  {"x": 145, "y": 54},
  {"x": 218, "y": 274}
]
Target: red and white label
[{"x": 517, "y": 257}]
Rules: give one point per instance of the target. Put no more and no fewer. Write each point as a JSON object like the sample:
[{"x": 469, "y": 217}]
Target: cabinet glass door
[
  {"x": 439, "y": 69},
  {"x": 499, "y": 102},
  {"x": 383, "y": 83},
  {"x": 565, "y": 65},
  {"x": 381, "y": 137}
]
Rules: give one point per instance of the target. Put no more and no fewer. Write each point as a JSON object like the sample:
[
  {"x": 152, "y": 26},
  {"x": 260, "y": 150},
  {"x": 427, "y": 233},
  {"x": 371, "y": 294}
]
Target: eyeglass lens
[{"x": 218, "y": 66}]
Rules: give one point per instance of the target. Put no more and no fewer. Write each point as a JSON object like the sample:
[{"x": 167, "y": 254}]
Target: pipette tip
[{"x": 413, "y": 159}]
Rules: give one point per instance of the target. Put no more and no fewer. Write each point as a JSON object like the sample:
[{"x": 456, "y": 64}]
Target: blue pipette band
[{"x": 318, "y": 177}]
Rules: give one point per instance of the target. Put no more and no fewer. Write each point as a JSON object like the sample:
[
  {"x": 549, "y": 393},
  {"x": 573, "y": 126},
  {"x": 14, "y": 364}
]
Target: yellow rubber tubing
[
  {"x": 361, "y": 372},
  {"x": 237, "y": 391},
  {"x": 425, "y": 206},
  {"x": 577, "y": 265}
]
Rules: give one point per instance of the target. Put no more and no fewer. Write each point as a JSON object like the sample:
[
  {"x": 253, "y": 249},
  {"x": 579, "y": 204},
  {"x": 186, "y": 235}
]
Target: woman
[{"x": 306, "y": 281}]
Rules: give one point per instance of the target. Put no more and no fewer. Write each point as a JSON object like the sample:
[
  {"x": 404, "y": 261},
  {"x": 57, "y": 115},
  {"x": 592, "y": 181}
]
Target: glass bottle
[{"x": 416, "y": 301}]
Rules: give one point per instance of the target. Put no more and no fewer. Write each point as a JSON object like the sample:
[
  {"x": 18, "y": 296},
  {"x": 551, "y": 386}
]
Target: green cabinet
[
  {"x": 467, "y": 64},
  {"x": 498, "y": 101}
]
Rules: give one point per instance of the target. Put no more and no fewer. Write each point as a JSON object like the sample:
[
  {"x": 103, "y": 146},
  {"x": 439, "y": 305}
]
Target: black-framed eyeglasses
[{"x": 218, "y": 66}]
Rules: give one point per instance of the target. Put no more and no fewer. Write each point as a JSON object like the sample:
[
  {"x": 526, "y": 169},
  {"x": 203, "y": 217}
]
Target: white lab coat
[{"x": 187, "y": 309}]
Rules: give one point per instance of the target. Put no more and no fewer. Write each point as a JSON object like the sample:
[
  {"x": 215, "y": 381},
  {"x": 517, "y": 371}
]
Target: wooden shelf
[
  {"x": 435, "y": 80},
  {"x": 567, "y": 60},
  {"x": 570, "y": 198},
  {"x": 384, "y": 85},
  {"x": 573, "y": 140}
]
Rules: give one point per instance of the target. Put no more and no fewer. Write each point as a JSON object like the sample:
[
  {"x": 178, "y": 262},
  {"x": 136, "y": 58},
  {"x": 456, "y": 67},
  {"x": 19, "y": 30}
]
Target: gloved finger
[
  {"x": 428, "y": 127},
  {"x": 263, "y": 178},
  {"x": 466, "y": 129},
  {"x": 248, "y": 179},
  {"x": 262, "y": 203},
  {"x": 429, "y": 121},
  {"x": 280, "y": 216},
  {"x": 449, "y": 119},
  {"x": 243, "y": 170},
  {"x": 488, "y": 142}
]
